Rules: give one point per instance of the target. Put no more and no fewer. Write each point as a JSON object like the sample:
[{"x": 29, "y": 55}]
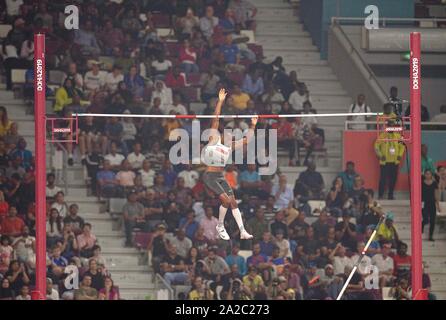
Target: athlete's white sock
[
  {"x": 238, "y": 218},
  {"x": 221, "y": 215}
]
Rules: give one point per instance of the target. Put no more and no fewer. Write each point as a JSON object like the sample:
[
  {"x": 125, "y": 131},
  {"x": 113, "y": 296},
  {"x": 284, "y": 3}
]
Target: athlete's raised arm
[
  {"x": 245, "y": 140},
  {"x": 221, "y": 99}
]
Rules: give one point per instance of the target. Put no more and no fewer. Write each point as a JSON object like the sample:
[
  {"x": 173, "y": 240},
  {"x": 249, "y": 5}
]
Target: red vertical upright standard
[
  {"x": 415, "y": 160},
  {"x": 39, "y": 114}
]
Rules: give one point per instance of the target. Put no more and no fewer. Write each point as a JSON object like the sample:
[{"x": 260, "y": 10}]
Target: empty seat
[{"x": 56, "y": 77}]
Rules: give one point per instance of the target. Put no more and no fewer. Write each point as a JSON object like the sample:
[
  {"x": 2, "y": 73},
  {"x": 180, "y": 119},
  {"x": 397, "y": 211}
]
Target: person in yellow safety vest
[{"x": 389, "y": 154}]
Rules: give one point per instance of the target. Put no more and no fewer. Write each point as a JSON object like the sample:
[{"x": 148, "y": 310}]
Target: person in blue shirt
[
  {"x": 23, "y": 153},
  {"x": 231, "y": 54},
  {"x": 189, "y": 225},
  {"x": 348, "y": 176},
  {"x": 251, "y": 183},
  {"x": 253, "y": 84},
  {"x": 235, "y": 258},
  {"x": 134, "y": 82},
  {"x": 267, "y": 245}
]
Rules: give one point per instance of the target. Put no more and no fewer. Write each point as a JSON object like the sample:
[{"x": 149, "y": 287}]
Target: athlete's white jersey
[{"x": 216, "y": 154}]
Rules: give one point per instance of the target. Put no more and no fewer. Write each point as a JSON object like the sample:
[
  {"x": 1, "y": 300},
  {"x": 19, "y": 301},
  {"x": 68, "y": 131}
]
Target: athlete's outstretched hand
[
  {"x": 254, "y": 120},
  {"x": 222, "y": 94}
]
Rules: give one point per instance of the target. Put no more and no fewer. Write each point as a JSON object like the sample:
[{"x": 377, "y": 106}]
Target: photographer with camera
[
  {"x": 238, "y": 291},
  {"x": 201, "y": 290},
  {"x": 278, "y": 290}
]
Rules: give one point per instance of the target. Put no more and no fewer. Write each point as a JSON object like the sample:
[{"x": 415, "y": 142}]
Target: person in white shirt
[
  {"x": 365, "y": 262},
  {"x": 95, "y": 78},
  {"x": 147, "y": 174},
  {"x": 384, "y": 263},
  {"x": 308, "y": 121},
  {"x": 13, "y": 7},
  {"x": 114, "y": 157},
  {"x": 160, "y": 67},
  {"x": 176, "y": 106},
  {"x": 51, "y": 188},
  {"x": 10, "y": 61},
  {"x": 359, "y": 107},
  {"x": 340, "y": 260},
  {"x": 51, "y": 293},
  {"x": 190, "y": 176},
  {"x": 298, "y": 97},
  {"x": 441, "y": 117},
  {"x": 282, "y": 193},
  {"x": 163, "y": 93},
  {"x": 27, "y": 49},
  {"x": 113, "y": 78},
  {"x": 136, "y": 158},
  {"x": 208, "y": 22}
]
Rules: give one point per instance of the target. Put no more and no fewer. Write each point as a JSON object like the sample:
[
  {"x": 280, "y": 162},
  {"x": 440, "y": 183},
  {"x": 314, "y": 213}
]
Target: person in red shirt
[
  {"x": 285, "y": 137},
  {"x": 175, "y": 79},
  {"x": 12, "y": 225},
  {"x": 188, "y": 58},
  {"x": 402, "y": 261}
]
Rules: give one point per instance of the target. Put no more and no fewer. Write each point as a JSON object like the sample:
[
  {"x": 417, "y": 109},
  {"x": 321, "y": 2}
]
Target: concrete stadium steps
[
  {"x": 279, "y": 28},
  {"x": 275, "y": 14},
  {"x": 276, "y": 42}
]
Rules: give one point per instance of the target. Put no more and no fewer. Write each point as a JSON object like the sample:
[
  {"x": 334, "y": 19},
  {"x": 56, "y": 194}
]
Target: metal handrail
[
  {"x": 165, "y": 284},
  {"x": 371, "y": 75},
  {"x": 349, "y": 122}
]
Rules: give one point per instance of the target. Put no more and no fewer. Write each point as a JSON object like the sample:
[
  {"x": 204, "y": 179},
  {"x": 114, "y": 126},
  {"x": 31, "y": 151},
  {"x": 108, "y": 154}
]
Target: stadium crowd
[{"x": 121, "y": 62}]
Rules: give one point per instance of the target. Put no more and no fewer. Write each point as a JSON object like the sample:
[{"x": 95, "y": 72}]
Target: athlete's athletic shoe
[
  {"x": 244, "y": 235},
  {"x": 222, "y": 232}
]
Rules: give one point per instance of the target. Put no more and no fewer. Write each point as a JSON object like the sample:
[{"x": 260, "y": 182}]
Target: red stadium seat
[
  {"x": 142, "y": 239},
  {"x": 257, "y": 49},
  {"x": 172, "y": 49},
  {"x": 161, "y": 20},
  {"x": 236, "y": 77},
  {"x": 191, "y": 94},
  {"x": 193, "y": 79}
]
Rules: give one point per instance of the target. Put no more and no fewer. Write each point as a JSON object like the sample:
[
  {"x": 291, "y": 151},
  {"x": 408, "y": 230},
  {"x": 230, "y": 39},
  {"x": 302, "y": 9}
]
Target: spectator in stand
[
  {"x": 181, "y": 243},
  {"x": 60, "y": 205},
  {"x": 402, "y": 262},
  {"x": 17, "y": 275},
  {"x": 24, "y": 293},
  {"x": 209, "y": 83},
  {"x": 267, "y": 245},
  {"x": 441, "y": 117},
  {"x": 74, "y": 75},
  {"x": 53, "y": 228},
  {"x": 173, "y": 267},
  {"x": 134, "y": 82},
  {"x": 114, "y": 158},
  {"x": 275, "y": 98},
  {"x": 387, "y": 232},
  {"x": 12, "y": 225},
  {"x": 110, "y": 37},
  {"x": 227, "y": 24},
  {"x": 431, "y": 204},
  {"x": 384, "y": 262},
  {"x": 10, "y": 58},
  {"x": 309, "y": 183},
  {"x": 208, "y": 23},
  {"x": 160, "y": 67},
  {"x": 86, "y": 40},
  {"x": 339, "y": 259},
  {"x": 175, "y": 79},
  {"x": 134, "y": 215},
  {"x": 188, "y": 58},
  {"x": 346, "y": 231},
  {"x": 76, "y": 222},
  {"x": 147, "y": 174},
  {"x": 95, "y": 272},
  {"x": 283, "y": 193},
  {"x": 285, "y": 138},
  {"x": 176, "y": 108},
  {"x": 357, "y": 191},
  {"x": 126, "y": 176},
  {"x": 216, "y": 265},
  {"x": 253, "y": 280},
  {"x": 298, "y": 97},
  {"x": 251, "y": 183},
  {"x": 51, "y": 188},
  {"x": 4, "y": 206},
  {"x": 257, "y": 225},
  {"x": 282, "y": 245},
  {"x": 163, "y": 93},
  {"x": 189, "y": 176},
  {"x": 389, "y": 154},
  {"x": 426, "y": 162},
  {"x": 231, "y": 54},
  {"x": 209, "y": 224},
  {"x": 136, "y": 158},
  {"x": 86, "y": 241},
  {"x": 244, "y": 12},
  {"x": 65, "y": 95},
  {"x": 5, "y": 122},
  {"x": 279, "y": 224},
  {"x": 397, "y": 102},
  {"x": 109, "y": 291},
  {"x": 113, "y": 78},
  {"x": 348, "y": 176},
  {"x": 86, "y": 292},
  {"x": 359, "y": 107},
  {"x": 94, "y": 79},
  {"x": 6, "y": 253},
  {"x": 200, "y": 291},
  {"x": 188, "y": 23},
  {"x": 321, "y": 225},
  {"x": 12, "y": 137},
  {"x": 253, "y": 84},
  {"x": 106, "y": 178},
  {"x": 51, "y": 292},
  {"x": 188, "y": 224},
  {"x": 336, "y": 198},
  {"x": 23, "y": 153},
  {"x": 235, "y": 259}
]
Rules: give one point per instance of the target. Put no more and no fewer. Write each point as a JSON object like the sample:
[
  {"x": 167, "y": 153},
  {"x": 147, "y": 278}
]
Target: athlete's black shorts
[{"x": 216, "y": 182}]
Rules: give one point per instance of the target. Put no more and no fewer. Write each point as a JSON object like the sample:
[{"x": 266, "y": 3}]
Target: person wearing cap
[
  {"x": 333, "y": 284},
  {"x": 94, "y": 79},
  {"x": 387, "y": 231},
  {"x": 384, "y": 262},
  {"x": 51, "y": 293}
]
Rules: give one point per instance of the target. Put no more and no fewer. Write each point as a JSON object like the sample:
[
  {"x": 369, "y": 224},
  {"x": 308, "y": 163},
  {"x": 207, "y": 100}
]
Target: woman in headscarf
[{"x": 164, "y": 93}]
